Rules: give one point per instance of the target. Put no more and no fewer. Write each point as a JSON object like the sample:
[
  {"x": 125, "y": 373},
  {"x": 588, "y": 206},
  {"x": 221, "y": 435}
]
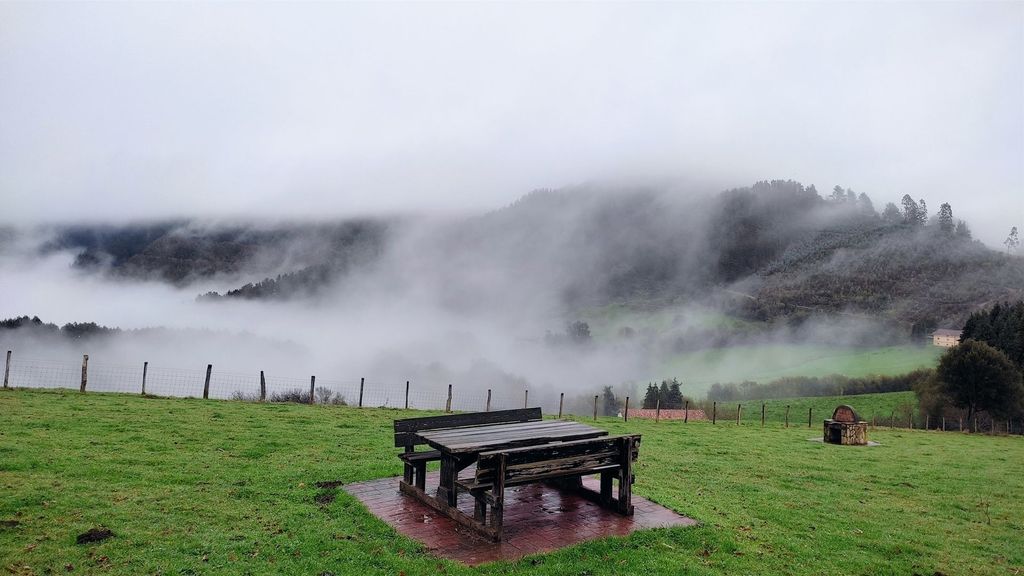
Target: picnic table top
[{"x": 474, "y": 439}]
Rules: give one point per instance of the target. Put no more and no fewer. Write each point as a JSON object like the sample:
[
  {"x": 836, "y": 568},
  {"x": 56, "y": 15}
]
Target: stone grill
[{"x": 846, "y": 427}]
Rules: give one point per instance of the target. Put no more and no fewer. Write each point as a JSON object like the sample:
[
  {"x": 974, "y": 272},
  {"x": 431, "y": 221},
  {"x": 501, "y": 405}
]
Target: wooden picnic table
[{"x": 460, "y": 447}]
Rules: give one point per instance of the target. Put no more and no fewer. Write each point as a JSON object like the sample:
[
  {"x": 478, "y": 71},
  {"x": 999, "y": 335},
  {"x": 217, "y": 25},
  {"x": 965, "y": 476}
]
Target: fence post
[
  {"x": 943, "y": 423},
  {"x": 787, "y": 415},
  {"x": 625, "y": 412},
  {"x": 361, "y": 382},
  {"x": 85, "y": 372},
  {"x": 657, "y": 410},
  {"x": 526, "y": 398},
  {"x": 263, "y": 387},
  {"x": 762, "y": 414},
  {"x": 739, "y": 407},
  {"x": 206, "y": 383},
  {"x": 406, "y": 394},
  {"x": 448, "y": 403},
  {"x": 488, "y": 409},
  {"x": 312, "y": 387},
  {"x": 145, "y": 368},
  {"x": 714, "y": 412},
  {"x": 809, "y": 416},
  {"x": 595, "y": 406},
  {"x": 910, "y": 420},
  {"x": 961, "y": 425},
  {"x": 7, "y": 368},
  {"x": 927, "y": 421},
  {"x": 561, "y": 400},
  {"x": 975, "y": 420},
  {"x": 892, "y": 420},
  {"x": 686, "y": 412}
]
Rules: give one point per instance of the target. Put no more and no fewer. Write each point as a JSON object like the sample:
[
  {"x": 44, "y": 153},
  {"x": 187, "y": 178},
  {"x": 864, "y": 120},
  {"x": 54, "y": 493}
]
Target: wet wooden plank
[{"x": 406, "y": 428}]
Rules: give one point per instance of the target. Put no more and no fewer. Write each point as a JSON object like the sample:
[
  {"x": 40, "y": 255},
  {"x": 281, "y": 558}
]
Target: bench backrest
[
  {"x": 405, "y": 430},
  {"x": 534, "y": 463}
]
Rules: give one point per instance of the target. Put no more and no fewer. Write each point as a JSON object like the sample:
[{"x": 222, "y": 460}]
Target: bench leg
[
  {"x": 421, "y": 475},
  {"x": 625, "y": 500},
  {"x": 606, "y": 488},
  {"x": 480, "y": 509}
]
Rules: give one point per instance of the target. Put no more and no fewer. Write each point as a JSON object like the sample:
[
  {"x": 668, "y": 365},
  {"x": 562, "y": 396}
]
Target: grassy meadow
[
  {"x": 880, "y": 406},
  {"x": 699, "y": 370},
  {"x": 215, "y": 487}
]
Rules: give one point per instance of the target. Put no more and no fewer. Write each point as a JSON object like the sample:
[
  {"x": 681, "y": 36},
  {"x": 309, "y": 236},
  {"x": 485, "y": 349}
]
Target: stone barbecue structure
[{"x": 846, "y": 427}]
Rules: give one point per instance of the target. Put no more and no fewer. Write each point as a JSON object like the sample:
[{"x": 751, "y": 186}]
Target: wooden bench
[
  {"x": 416, "y": 462},
  {"x": 565, "y": 462}
]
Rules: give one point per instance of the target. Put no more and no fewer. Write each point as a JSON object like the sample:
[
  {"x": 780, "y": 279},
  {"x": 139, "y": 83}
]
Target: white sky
[{"x": 136, "y": 110}]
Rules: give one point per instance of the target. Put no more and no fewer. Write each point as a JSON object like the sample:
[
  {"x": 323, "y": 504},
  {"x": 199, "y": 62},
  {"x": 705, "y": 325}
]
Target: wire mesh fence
[{"x": 33, "y": 372}]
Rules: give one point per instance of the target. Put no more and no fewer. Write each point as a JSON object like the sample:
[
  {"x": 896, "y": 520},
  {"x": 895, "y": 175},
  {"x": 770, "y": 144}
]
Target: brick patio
[{"x": 538, "y": 519}]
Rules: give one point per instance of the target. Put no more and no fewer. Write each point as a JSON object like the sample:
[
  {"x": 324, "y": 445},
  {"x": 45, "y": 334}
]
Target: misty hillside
[{"x": 776, "y": 250}]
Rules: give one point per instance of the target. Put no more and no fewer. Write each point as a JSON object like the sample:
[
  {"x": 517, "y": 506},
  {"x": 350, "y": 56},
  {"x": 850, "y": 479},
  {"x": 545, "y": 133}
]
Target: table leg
[{"x": 446, "y": 487}]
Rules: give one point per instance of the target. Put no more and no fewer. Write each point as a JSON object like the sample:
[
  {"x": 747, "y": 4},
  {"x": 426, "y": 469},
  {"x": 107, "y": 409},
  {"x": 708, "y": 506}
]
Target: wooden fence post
[
  {"x": 362, "y": 381},
  {"x": 686, "y": 411},
  {"x": 657, "y": 410},
  {"x": 488, "y": 409},
  {"x": 739, "y": 407},
  {"x": 787, "y": 415},
  {"x": 961, "y": 425},
  {"x": 448, "y": 403},
  {"x": 762, "y": 414},
  {"x": 892, "y": 420},
  {"x": 927, "y": 421},
  {"x": 595, "y": 406},
  {"x": 206, "y": 383},
  {"x": 85, "y": 372},
  {"x": 910, "y": 421},
  {"x": 406, "y": 394},
  {"x": 526, "y": 398},
  {"x": 943, "y": 423},
  {"x": 7, "y": 369},
  {"x": 263, "y": 387},
  {"x": 561, "y": 400},
  {"x": 312, "y": 388},
  {"x": 145, "y": 368},
  {"x": 714, "y": 412},
  {"x": 625, "y": 413},
  {"x": 809, "y": 416}
]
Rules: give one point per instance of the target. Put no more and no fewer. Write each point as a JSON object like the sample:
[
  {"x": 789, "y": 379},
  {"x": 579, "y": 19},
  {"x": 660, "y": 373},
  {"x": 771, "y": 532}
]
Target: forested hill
[{"x": 773, "y": 250}]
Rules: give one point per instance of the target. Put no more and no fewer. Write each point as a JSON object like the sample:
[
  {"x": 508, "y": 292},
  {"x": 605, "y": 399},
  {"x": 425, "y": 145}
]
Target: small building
[
  {"x": 846, "y": 427},
  {"x": 946, "y": 338},
  {"x": 667, "y": 414}
]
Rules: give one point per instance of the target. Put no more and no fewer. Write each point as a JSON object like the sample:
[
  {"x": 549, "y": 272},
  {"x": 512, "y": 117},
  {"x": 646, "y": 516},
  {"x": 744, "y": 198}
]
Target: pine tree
[
  {"x": 922, "y": 212},
  {"x": 946, "y": 218},
  {"x": 838, "y": 195},
  {"x": 910, "y": 209},
  {"x": 1012, "y": 241},
  {"x": 962, "y": 231},
  {"x": 891, "y": 214},
  {"x": 651, "y": 397}
]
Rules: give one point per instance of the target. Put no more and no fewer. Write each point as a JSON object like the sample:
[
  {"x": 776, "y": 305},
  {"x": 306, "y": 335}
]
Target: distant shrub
[
  {"x": 293, "y": 395},
  {"x": 328, "y": 396},
  {"x": 244, "y": 396}
]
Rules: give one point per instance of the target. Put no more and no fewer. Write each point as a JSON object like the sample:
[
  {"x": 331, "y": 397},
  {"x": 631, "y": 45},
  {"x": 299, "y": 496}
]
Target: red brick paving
[{"x": 538, "y": 518}]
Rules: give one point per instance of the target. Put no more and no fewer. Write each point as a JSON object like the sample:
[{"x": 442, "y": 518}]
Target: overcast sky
[{"x": 138, "y": 110}]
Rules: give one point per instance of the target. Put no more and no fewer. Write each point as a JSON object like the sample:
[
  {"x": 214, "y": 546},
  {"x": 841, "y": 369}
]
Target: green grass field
[
  {"x": 868, "y": 406},
  {"x": 699, "y": 370},
  {"x": 213, "y": 487}
]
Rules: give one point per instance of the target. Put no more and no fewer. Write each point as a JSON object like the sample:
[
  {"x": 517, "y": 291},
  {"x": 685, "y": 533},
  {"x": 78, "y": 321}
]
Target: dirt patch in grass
[
  {"x": 94, "y": 535},
  {"x": 329, "y": 484},
  {"x": 5, "y": 524}
]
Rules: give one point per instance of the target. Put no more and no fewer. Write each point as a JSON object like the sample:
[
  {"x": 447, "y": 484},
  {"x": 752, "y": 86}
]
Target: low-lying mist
[{"x": 481, "y": 302}]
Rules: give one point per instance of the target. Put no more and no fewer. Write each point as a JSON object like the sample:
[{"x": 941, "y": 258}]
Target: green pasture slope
[
  {"x": 868, "y": 406},
  {"x": 699, "y": 370},
  {"x": 215, "y": 487}
]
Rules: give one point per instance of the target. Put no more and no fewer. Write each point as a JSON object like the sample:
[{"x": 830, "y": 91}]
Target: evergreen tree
[
  {"x": 910, "y": 210},
  {"x": 838, "y": 195},
  {"x": 663, "y": 393},
  {"x": 865, "y": 204},
  {"x": 980, "y": 378},
  {"x": 962, "y": 231},
  {"x": 651, "y": 397},
  {"x": 1012, "y": 241},
  {"x": 891, "y": 214},
  {"x": 611, "y": 403},
  {"x": 851, "y": 197},
  {"x": 946, "y": 218},
  {"x": 675, "y": 396},
  {"x": 922, "y": 212}
]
